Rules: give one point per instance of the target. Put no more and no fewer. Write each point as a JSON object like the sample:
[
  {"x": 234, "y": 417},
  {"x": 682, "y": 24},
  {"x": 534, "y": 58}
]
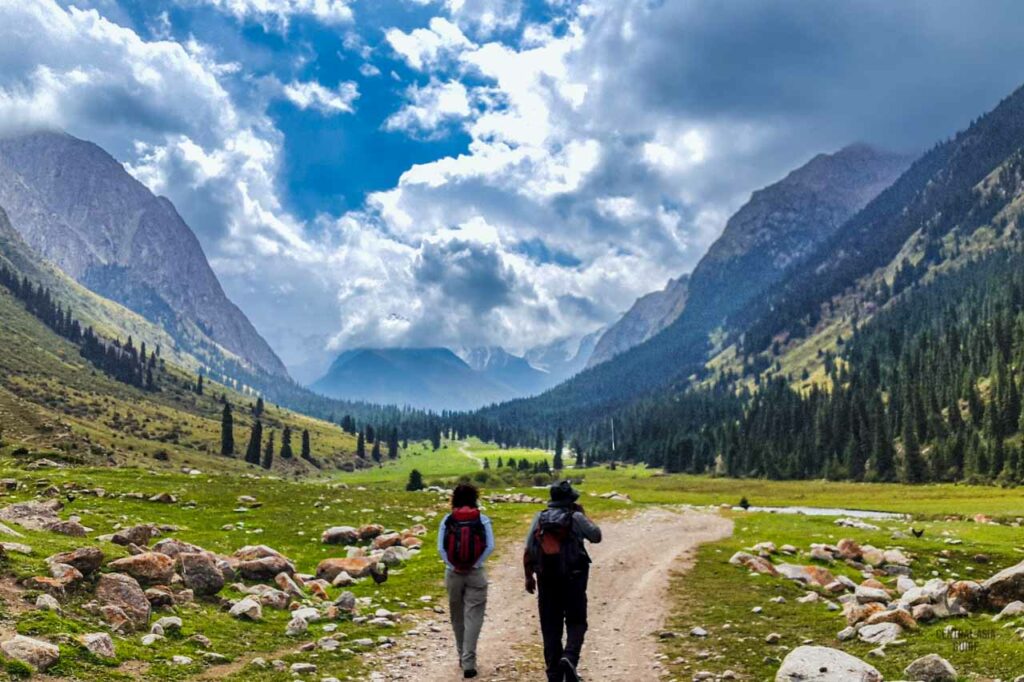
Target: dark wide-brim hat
[{"x": 563, "y": 492}]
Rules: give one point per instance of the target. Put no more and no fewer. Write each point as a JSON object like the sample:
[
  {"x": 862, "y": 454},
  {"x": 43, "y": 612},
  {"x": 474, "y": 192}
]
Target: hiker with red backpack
[
  {"x": 557, "y": 567},
  {"x": 465, "y": 540}
]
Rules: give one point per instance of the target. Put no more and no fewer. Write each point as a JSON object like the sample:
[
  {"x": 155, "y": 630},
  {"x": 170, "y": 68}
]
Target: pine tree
[
  {"x": 268, "y": 452},
  {"x": 393, "y": 444},
  {"x": 559, "y": 445},
  {"x": 257, "y": 410},
  {"x": 500, "y": 463},
  {"x": 199, "y": 384},
  {"x": 252, "y": 451},
  {"x": 415, "y": 481},
  {"x": 487, "y": 462},
  {"x": 360, "y": 446},
  {"x": 286, "y": 443},
  {"x": 227, "y": 435},
  {"x": 307, "y": 453},
  {"x": 376, "y": 451},
  {"x": 913, "y": 466}
]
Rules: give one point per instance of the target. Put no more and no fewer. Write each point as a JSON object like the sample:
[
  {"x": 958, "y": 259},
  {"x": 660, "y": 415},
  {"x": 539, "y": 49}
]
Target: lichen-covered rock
[
  {"x": 753, "y": 563},
  {"x": 124, "y": 592},
  {"x": 340, "y": 535},
  {"x": 931, "y": 668},
  {"x": 136, "y": 535},
  {"x": 1005, "y": 586},
  {"x": 152, "y": 568},
  {"x": 823, "y": 664},
  {"x": 247, "y": 609},
  {"x": 85, "y": 559},
  {"x": 35, "y": 652},
  {"x": 99, "y": 644},
  {"x": 386, "y": 540},
  {"x": 199, "y": 573},
  {"x": 357, "y": 567}
]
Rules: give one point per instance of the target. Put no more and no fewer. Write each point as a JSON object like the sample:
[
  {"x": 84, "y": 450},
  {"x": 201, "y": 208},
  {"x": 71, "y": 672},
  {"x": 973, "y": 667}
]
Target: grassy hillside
[{"x": 55, "y": 403}]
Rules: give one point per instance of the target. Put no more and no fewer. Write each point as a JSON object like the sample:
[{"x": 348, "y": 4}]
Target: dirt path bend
[{"x": 628, "y": 604}]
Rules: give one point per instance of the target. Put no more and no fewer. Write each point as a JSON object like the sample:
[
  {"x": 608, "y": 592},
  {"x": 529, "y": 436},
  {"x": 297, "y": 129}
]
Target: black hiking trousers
[{"x": 563, "y": 605}]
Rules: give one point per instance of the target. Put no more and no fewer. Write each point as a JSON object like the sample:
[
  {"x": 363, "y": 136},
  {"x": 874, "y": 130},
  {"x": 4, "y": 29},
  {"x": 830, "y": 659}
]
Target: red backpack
[{"x": 464, "y": 538}]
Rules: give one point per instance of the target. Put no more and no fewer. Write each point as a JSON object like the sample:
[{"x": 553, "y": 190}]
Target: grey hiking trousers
[{"x": 467, "y": 601}]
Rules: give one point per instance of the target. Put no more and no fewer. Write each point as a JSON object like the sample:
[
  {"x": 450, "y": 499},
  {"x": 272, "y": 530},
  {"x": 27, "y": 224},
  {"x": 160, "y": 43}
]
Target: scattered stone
[
  {"x": 124, "y": 593},
  {"x": 1011, "y": 610},
  {"x": 823, "y": 664},
  {"x": 181, "y": 660},
  {"x": 99, "y": 644},
  {"x": 32, "y": 515},
  {"x": 200, "y": 573},
  {"x": 149, "y": 567},
  {"x": 136, "y": 535},
  {"x": 357, "y": 567},
  {"x": 1006, "y": 586},
  {"x": 386, "y": 540},
  {"x": 85, "y": 559},
  {"x": 698, "y": 632},
  {"x": 45, "y": 602},
  {"x": 296, "y": 626},
  {"x": 340, "y": 535},
  {"x": 168, "y": 624},
  {"x": 882, "y": 633},
  {"x": 34, "y": 652},
  {"x": 753, "y": 563},
  {"x": 303, "y": 668},
  {"x": 247, "y": 609},
  {"x": 931, "y": 668}
]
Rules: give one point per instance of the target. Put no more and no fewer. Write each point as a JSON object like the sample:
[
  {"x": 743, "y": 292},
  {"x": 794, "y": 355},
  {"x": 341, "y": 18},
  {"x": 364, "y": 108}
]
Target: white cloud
[
  {"x": 281, "y": 12},
  {"x": 430, "y": 106},
  {"x": 426, "y": 47},
  {"x": 312, "y": 95}
]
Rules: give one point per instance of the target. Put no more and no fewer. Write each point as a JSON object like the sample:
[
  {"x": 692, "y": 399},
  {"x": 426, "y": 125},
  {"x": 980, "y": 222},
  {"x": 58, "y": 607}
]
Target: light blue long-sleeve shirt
[{"x": 488, "y": 547}]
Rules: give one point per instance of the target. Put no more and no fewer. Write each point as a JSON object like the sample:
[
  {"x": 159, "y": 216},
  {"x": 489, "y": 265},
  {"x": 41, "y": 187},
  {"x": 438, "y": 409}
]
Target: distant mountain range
[
  {"x": 443, "y": 379},
  {"x": 648, "y": 316},
  {"x": 77, "y": 207}
]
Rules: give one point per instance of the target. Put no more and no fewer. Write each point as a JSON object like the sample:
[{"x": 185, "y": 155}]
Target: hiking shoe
[
  {"x": 469, "y": 673},
  {"x": 570, "y": 671}
]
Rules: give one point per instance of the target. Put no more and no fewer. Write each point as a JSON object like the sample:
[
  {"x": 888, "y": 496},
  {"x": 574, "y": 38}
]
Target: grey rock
[
  {"x": 931, "y": 668},
  {"x": 35, "y": 652},
  {"x": 823, "y": 664}
]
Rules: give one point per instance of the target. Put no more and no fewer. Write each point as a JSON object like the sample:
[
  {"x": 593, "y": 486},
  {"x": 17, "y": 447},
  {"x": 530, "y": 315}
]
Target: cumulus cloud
[
  {"x": 606, "y": 145},
  {"x": 280, "y": 12},
  {"x": 312, "y": 95},
  {"x": 429, "y": 107},
  {"x": 427, "y": 47}
]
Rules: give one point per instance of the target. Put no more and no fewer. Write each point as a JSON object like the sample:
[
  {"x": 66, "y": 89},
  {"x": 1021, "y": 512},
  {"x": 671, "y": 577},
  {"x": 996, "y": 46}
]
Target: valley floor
[{"x": 628, "y": 600}]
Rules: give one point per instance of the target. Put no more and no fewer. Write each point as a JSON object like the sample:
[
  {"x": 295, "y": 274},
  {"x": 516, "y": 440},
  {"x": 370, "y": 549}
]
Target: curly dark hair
[{"x": 465, "y": 495}]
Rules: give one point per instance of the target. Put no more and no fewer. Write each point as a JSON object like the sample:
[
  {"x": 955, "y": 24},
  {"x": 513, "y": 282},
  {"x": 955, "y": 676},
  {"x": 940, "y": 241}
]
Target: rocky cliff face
[
  {"x": 648, "y": 316},
  {"x": 784, "y": 223},
  {"x": 76, "y": 206}
]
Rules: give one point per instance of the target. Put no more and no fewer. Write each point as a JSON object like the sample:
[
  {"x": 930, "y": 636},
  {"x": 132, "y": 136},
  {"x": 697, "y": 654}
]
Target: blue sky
[{"x": 474, "y": 172}]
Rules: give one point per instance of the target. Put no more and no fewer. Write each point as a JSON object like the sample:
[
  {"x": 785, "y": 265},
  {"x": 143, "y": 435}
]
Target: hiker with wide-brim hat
[{"x": 557, "y": 567}]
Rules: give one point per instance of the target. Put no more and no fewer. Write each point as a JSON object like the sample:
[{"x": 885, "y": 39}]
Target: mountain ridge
[{"x": 76, "y": 206}]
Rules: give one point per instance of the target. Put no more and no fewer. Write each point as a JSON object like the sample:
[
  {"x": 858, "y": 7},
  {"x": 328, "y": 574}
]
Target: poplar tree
[{"x": 227, "y": 435}]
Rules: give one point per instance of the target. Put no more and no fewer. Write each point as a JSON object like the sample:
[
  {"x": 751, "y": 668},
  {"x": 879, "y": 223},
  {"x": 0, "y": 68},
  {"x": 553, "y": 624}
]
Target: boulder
[
  {"x": 264, "y": 568},
  {"x": 199, "y": 573},
  {"x": 160, "y": 595},
  {"x": 99, "y": 644},
  {"x": 357, "y": 567},
  {"x": 51, "y": 586},
  {"x": 34, "y": 652},
  {"x": 168, "y": 624},
  {"x": 123, "y": 592},
  {"x": 340, "y": 535},
  {"x": 1005, "y": 586},
  {"x": 856, "y": 613},
  {"x": 386, "y": 540},
  {"x": 287, "y": 584},
  {"x": 296, "y": 626},
  {"x": 896, "y": 557},
  {"x": 85, "y": 559},
  {"x": 1011, "y": 610},
  {"x": 173, "y": 547},
  {"x": 149, "y": 567},
  {"x": 872, "y": 556},
  {"x": 823, "y": 664},
  {"x": 251, "y": 552},
  {"x": 848, "y": 548},
  {"x": 72, "y": 528},
  {"x": 963, "y": 597},
  {"x": 924, "y": 613},
  {"x": 45, "y": 602},
  {"x": 901, "y": 617},
  {"x": 136, "y": 535},
  {"x": 370, "y": 531},
  {"x": 247, "y": 609},
  {"x": 867, "y": 595},
  {"x": 346, "y": 602},
  {"x": 411, "y": 542},
  {"x": 395, "y": 555},
  {"x": 32, "y": 515},
  {"x": 931, "y": 668},
  {"x": 882, "y": 633},
  {"x": 67, "y": 575},
  {"x": 753, "y": 563}
]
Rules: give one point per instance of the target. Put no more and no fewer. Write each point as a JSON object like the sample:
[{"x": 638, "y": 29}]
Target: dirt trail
[{"x": 627, "y": 605}]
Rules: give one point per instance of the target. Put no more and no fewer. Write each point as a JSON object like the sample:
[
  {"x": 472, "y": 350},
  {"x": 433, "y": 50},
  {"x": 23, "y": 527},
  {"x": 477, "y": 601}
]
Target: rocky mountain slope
[
  {"x": 771, "y": 235},
  {"x": 77, "y": 207},
  {"x": 648, "y": 315}
]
